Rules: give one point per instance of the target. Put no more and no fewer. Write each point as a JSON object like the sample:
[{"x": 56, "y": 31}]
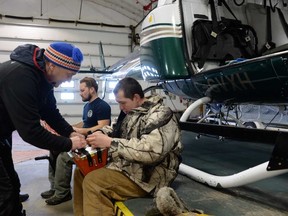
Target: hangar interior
[
  {"x": 83, "y": 23},
  {"x": 115, "y": 24}
]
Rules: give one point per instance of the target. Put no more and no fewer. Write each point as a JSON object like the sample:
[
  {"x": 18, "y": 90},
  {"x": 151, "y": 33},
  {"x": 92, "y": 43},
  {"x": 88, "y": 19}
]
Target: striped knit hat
[{"x": 64, "y": 55}]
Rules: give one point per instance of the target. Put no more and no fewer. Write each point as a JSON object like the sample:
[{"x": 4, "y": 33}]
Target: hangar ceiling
[
  {"x": 117, "y": 12},
  {"x": 132, "y": 9}
]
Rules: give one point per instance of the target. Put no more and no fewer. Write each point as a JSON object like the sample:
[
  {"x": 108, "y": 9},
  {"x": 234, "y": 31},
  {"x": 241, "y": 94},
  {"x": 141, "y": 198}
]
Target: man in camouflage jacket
[{"x": 145, "y": 153}]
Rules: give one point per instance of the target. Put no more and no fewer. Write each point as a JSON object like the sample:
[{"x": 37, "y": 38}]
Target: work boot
[
  {"x": 23, "y": 197},
  {"x": 47, "y": 194},
  {"x": 54, "y": 200}
]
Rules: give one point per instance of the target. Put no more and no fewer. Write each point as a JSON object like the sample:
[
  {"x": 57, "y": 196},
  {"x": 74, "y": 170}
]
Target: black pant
[{"x": 10, "y": 204}]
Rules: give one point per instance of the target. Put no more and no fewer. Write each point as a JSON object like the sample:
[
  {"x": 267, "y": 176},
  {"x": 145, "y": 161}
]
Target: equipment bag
[
  {"x": 233, "y": 40},
  {"x": 222, "y": 40}
]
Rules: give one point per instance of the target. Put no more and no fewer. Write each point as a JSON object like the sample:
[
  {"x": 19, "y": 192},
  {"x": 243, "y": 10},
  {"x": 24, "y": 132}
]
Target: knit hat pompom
[{"x": 64, "y": 55}]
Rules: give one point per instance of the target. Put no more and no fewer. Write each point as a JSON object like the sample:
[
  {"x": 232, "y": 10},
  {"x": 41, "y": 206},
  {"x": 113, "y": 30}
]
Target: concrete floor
[
  {"x": 266, "y": 197},
  {"x": 33, "y": 175}
]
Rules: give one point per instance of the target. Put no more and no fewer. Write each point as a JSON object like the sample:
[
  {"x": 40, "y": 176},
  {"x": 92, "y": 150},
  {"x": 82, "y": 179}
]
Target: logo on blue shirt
[{"x": 90, "y": 113}]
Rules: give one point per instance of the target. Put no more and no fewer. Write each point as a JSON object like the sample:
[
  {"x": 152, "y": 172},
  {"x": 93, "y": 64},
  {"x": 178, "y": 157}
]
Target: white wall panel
[
  {"x": 115, "y": 44},
  {"x": 53, "y": 34}
]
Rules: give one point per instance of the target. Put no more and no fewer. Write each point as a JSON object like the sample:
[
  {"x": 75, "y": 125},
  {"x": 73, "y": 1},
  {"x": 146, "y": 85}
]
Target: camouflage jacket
[{"x": 149, "y": 147}]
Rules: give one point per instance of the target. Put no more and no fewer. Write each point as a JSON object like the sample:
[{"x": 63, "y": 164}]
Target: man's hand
[
  {"x": 78, "y": 142},
  {"x": 99, "y": 140},
  {"x": 73, "y": 134},
  {"x": 79, "y": 130}
]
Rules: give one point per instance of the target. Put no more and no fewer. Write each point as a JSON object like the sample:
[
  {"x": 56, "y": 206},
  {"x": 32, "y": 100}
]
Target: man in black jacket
[{"x": 26, "y": 96}]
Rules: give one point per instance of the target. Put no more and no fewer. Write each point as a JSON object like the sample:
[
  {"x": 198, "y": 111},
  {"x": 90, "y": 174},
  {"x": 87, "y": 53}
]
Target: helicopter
[{"x": 211, "y": 52}]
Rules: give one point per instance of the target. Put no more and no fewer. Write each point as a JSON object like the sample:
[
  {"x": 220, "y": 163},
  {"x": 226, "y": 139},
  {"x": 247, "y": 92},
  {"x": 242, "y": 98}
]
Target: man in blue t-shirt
[
  {"x": 95, "y": 111},
  {"x": 96, "y": 114}
]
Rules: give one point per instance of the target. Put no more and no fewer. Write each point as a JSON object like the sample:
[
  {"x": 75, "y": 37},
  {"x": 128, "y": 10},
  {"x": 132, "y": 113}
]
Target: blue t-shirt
[{"x": 95, "y": 111}]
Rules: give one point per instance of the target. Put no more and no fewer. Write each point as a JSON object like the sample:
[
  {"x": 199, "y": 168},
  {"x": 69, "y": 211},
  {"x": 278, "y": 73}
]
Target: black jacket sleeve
[
  {"x": 52, "y": 116},
  {"x": 22, "y": 97}
]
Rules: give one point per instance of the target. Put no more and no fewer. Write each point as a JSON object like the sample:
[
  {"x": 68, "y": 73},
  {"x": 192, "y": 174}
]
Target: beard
[{"x": 87, "y": 98}]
